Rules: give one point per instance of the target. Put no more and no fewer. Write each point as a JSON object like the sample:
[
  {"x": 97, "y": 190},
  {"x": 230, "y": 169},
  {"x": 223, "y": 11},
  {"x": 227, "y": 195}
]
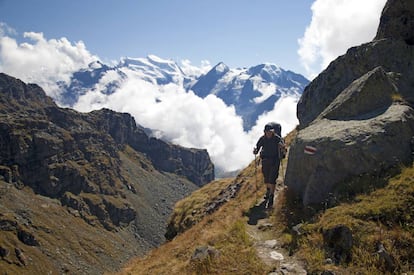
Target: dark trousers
[{"x": 270, "y": 170}]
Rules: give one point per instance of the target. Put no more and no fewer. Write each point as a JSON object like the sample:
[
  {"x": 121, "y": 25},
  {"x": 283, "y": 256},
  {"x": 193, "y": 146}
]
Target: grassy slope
[
  {"x": 224, "y": 229},
  {"x": 63, "y": 238},
  {"x": 384, "y": 216}
]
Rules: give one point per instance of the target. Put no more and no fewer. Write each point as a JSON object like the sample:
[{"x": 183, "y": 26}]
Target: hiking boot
[
  {"x": 266, "y": 197},
  {"x": 270, "y": 201}
]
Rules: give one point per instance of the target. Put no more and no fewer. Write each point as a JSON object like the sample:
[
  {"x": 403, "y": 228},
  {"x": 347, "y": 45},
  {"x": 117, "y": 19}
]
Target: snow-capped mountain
[
  {"x": 107, "y": 79},
  {"x": 85, "y": 80},
  {"x": 252, "y": 91},
  {"x": 154, "y": 69}
]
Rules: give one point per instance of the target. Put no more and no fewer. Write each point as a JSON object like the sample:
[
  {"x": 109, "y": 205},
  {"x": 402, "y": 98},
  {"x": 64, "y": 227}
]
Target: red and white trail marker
[{"x": 310, "y": 150}]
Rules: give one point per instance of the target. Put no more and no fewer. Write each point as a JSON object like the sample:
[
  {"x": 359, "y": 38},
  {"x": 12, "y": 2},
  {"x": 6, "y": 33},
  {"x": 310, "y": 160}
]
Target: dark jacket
[{"x": 270, "y": 147}]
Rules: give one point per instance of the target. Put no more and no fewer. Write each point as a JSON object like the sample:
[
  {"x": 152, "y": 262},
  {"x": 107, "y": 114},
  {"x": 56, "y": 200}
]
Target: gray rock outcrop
[
  {"x": 397, "y": 21},
  {"x": 358, "y": 113}
]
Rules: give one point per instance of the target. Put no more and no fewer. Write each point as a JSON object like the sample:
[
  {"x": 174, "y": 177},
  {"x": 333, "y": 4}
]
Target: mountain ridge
[
  {"x": 99, "y": 170},
  {"x": 238, "y": 87}
]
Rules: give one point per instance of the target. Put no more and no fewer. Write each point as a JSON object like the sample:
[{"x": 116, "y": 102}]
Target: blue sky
[{"x": 240, "y": 33}]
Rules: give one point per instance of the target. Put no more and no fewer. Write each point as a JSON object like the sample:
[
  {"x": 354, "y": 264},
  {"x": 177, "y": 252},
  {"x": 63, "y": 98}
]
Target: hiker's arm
[{"x": 258, "y": 146}]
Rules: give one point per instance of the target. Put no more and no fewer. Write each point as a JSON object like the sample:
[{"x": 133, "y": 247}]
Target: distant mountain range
[{"x": 253, "y": 91}]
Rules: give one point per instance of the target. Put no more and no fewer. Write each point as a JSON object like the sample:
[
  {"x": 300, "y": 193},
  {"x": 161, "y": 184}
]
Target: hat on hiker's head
[{"x": 268, "y": 127}]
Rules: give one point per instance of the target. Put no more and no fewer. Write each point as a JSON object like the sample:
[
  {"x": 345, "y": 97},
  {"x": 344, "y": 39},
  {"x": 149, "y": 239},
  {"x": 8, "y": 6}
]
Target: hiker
[{"x": 272, "y": 150}]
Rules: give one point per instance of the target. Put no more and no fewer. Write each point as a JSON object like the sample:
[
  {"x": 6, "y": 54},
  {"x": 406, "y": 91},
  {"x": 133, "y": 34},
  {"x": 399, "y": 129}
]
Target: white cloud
[
  {"x": 42, "y": 61},
  {"x": 180, "y": 117},
  {"x": 284, "y": 112},
  {"x": 192, "y": 70},
  {"x": 336, "y": 26},
  {"x": 188, "y": 120}
]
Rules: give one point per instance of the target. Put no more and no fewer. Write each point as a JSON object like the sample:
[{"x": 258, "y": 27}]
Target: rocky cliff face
[
  {"x": 100, "y": 169},
  {"x": 397, "y": 21},
  {"x": 358, "y": 113},
  {"x": 194, "y": 164}
]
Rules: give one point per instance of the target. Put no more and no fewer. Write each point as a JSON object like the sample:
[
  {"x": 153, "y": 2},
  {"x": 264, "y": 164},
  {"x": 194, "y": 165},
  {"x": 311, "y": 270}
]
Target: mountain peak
[
  {"x": 149, "y": 60},
  {"x": 265, "y": 68},
  {"x": 158, "y": 60},
  {"x": 95, "y": 65},
  {"x": 221, "y": 68},
  {"x": 154, "y": 69}
]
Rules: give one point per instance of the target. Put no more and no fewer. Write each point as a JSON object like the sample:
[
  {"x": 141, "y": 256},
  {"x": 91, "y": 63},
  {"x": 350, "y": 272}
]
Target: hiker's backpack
[{"x": 277, "y": 128}]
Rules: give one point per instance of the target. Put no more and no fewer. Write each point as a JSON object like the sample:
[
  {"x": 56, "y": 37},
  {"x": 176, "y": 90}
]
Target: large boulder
[
  {"x": 346, "y": 150},
  {"x": 357, "y": 115},
  {"x": 367, "y": 95},
  {"x": 394, "y": 56},
  {"x": 360, "y": 132}
]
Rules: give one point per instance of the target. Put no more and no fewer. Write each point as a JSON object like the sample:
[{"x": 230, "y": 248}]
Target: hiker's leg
[
  {"x": 271, "y": 196},
  {"x": 272, "y": 184},
  {"x": 266, "y": 166},
  {"x": 271, "y": 188},
  {"x": 266, "y": 197}
]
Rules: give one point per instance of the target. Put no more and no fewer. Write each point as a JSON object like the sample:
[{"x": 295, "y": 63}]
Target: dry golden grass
[
  {"x": 384, "y": 216},
  {"x": 396, "y": 97},
  {"x": 190, "y": 210},
  {"x": 290, "y": 137}
]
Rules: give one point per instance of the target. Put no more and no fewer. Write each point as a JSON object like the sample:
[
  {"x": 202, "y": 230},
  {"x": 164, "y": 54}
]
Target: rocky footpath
[
  {"x": 99, "y": 169},
  {"x": 269, "y": 247}
]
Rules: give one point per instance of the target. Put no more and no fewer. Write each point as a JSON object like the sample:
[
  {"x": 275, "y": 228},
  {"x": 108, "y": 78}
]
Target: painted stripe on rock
[{"x": 310, "y": 150}]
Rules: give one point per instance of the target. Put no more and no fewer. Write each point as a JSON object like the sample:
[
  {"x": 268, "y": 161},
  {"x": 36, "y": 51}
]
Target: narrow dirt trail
[{"x": 259, "y": 227}]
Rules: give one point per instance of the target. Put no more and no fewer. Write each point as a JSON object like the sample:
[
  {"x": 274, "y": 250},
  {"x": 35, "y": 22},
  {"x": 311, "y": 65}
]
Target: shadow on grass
[{"x": 256, "y": 213}]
